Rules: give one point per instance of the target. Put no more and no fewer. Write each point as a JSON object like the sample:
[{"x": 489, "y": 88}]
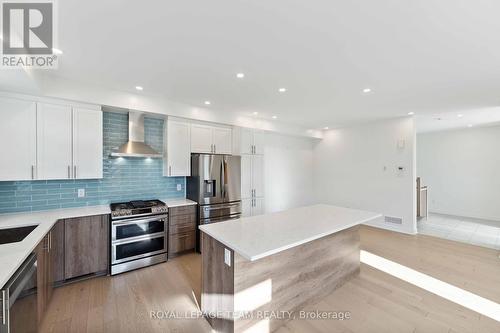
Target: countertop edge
[{"x": 289, "y": 246}]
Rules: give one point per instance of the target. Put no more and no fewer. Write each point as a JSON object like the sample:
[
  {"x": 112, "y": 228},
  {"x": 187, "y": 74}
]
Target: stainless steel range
[{"x": 139, "y": 234}]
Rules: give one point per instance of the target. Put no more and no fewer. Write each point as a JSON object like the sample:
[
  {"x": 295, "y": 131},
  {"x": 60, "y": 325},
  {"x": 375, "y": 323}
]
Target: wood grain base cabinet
[
  {"x": 86, "y": 246},
  {"x": 182, "y": 230}
]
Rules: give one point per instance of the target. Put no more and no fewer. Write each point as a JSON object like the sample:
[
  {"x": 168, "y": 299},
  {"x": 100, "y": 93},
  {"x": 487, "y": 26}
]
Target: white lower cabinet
[
  {"x": 18, "y": 138},
  {"x": 252, "y": 207}
]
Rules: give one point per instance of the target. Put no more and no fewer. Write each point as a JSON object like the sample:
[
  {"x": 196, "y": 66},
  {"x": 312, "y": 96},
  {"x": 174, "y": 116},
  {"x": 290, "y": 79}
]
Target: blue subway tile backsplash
[{"x": 123, "y": 178}]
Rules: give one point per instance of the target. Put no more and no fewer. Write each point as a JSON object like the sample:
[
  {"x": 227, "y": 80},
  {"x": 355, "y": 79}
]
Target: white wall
[
  {"x": 357, "y": 167},
  {"x": 288, "y": 165},
  {"x": 462, "y": 170}
]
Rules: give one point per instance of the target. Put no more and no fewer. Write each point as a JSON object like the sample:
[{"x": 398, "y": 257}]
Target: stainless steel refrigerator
[{"x": 215, "y": 183}]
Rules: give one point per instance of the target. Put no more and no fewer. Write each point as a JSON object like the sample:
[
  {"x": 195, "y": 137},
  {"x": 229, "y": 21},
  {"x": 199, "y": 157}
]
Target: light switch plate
[
  {"x": 81, "y": 192},
  {"x": 179, "y": 187},
  {"x": 227, "y": 257}
]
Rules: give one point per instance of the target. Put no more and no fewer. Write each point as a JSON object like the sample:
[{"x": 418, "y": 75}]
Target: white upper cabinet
[
  {"x": 201, "y": 139},
  {"x": 54, "y": 141},
  {"x": 18, "y": 137},
  {"x": 178, "y": 154},
  {"x": 248, "y": 141},
  {"x": 87, "y": 143},
  {"x": 211, "y": 139},
  {"x": 222, "y": 139}
]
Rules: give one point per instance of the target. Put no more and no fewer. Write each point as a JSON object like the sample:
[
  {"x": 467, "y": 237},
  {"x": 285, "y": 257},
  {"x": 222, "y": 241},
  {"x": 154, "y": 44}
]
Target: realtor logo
[{"x": 28, "y": 35}]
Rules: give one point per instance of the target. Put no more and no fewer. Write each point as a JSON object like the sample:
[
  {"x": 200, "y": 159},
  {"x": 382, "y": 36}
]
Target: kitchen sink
[{"x": 12, "y": 235}]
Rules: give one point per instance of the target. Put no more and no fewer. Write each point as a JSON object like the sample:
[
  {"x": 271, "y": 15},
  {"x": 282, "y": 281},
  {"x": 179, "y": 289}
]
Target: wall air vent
[{"x": 394, "y": 220}]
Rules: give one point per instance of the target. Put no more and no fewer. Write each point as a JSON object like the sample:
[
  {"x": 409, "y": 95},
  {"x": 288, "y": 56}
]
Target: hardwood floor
[{"x": 377, "y": 301}]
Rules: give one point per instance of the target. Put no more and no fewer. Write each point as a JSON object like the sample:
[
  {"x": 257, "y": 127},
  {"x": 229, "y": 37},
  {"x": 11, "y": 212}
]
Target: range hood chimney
[{"x": 135, "y": 147}]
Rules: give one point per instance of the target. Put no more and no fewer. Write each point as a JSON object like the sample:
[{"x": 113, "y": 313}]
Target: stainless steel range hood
[{"x": 135, "y": 147}]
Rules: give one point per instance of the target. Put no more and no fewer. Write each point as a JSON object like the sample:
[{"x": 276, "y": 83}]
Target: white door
[
  {"x": 258, "y": 206},
  {"x": 246, "y": 141},
  {"x": 178, "y": 162},
  {"x": 258, "y": 175},
  {"x": 246, "y": 176},
  {"x": 18, "y": 139},
  {"x": 87, "y": 144},
  {"x": 201, "y": 139},
  {"x": 54, "y": 141},
  {"x": 246, "y": 207},
  {"x": 222, "y": 139}
]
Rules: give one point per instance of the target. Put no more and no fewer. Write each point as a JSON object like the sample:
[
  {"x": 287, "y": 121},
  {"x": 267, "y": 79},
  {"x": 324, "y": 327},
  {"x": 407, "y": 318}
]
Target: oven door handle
[
  {"x": 139, "y": 238},
  {"x": 135, "y": 221}
]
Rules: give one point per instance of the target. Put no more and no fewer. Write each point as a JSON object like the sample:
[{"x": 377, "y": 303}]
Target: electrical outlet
[
  {"x": 81, "y": 192},
  {"x": 227, "y": 257},
  {"x": 179, "y": 187}
]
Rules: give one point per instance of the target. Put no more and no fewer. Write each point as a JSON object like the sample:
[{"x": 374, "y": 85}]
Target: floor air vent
[{"x": 394, "y": 220}]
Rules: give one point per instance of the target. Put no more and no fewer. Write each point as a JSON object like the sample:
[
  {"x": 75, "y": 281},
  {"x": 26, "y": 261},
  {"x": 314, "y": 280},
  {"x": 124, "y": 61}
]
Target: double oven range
[{"x": 139, "y": 235}]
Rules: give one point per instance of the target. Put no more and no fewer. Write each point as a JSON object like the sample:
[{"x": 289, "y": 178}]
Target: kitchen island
[{"x": 259, "y": 271}]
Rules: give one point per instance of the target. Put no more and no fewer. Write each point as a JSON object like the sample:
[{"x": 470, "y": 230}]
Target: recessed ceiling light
[
  {"x": 275, "y": 117},
  {"x": 411, "y": 113},
  {"x": 255, "y": 113},
  {"x": 460, "y": 115},
  {"x": 326, "y": 127},
  {"x": 282, "y": 89},
  {"x": 240, "y": 75},
  {"x": 470, "y": 125},
  {"x": 208, "y": 102},
  {"x": 57, "y": 51},
  {"x": 367, "y": 90},
  {"x": 139, "y": 88}
]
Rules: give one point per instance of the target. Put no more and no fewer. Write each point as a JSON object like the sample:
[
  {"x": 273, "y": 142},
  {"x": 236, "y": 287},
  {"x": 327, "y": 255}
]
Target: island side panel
[
  {"x": 292, "y": 279},
  {"x": 217, "y": 285}
]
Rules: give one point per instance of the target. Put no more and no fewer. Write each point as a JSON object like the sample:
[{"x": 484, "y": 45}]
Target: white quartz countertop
[
  {"x": 12, "y": 255},
  {"x": 261, "y": 236}
]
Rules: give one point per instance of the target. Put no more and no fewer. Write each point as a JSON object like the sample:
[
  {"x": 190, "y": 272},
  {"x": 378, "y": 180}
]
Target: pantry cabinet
[
  {"x": 252, "y": 184},
  {"x": 49, "y": 140},
  {"x": 18, "y": 137},
  {"x": 178, "y": 153},
  {"x": 211, "y": 139}
]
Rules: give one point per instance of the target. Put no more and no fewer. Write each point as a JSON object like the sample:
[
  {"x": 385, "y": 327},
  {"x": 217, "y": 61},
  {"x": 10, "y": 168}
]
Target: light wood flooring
[{"x": 377, "y": 301}]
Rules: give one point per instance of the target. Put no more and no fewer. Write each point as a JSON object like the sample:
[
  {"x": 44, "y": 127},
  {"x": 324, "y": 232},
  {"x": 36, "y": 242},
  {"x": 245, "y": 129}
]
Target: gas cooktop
[{"x": 136, "y": 208}]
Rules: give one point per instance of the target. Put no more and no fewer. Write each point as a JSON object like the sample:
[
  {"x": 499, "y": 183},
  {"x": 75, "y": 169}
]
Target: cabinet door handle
[
  {"x": 32, "y": 172},
  {"x": 69, "y": 172},
  {"x": 170, "y": 170},
  {"x": 4, "y": 307},
  {"x": 74, "y": 171},
  {"x": 215, "y": 149}
]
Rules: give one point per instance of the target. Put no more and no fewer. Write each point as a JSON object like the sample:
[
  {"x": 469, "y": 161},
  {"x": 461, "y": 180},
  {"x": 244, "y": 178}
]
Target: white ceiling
[{"x": 427, "y": 56}]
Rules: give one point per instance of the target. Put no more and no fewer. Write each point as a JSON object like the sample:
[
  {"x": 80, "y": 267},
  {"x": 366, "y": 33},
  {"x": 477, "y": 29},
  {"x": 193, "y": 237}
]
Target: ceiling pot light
[
  {"x": 139, "y": 88},
  {"x": 275, "y": 117},
  {"x": 282, "y": 90},
  {"x": 460, "y": 115},
  {"x": 411, "y": 113},
  {"x": 208, "y": 102},
  {"x": 470, "y": 125},
  {"x": 326, "y": 127},
  {"x": 240, "y": 75},
  {"x": 255, "y": 113},
  {"x": 367, "y": 90}
]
